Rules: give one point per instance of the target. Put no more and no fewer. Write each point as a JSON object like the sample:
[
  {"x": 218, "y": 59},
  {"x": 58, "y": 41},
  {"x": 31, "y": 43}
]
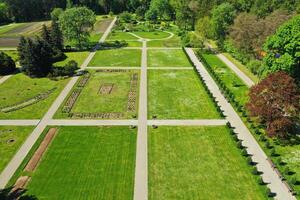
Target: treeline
[{"x": 31, "y": 10}]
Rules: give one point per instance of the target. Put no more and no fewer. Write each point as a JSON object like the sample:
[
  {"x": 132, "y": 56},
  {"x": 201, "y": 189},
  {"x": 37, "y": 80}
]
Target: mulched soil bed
[{"x": 32, "y": 164}]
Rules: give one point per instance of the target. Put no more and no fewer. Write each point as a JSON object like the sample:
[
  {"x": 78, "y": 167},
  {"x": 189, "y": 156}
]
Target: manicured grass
[
  {"x": 7, "y": 150},
  {"x": 90, "y": 101},
  {"x": 178, "y": 95},
  {"x": 153, "y": 35},
  {"x": 81, "y": 162},
  {"x": 117, "y": 58},
  {"x": 167, "y": 58},
  {"x": 95, "y": 37},
  {"x": 20, "y": 88},
  {"x": 198, "y": 163},
  {"x": 121, "y": 36},
  {"x": 242, "y": 67},
  {"x": 230, "y": 79},
  {"x": 79, "y": 57},
  {"x": 175, "y": 41}
]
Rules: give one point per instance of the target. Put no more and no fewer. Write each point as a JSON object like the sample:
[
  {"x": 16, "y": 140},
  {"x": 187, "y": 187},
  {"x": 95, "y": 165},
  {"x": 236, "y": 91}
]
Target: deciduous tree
[{"x": 276, "y": 103}]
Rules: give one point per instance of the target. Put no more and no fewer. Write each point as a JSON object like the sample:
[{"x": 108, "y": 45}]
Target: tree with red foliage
[{"x": 276, "y": 103}]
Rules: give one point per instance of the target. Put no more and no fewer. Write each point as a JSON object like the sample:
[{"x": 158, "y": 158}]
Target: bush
[
  {"x": 126, "y": 17},
  {"x": 7, "y": 65},
  {"x": 68, "y": 70},
  {"x": 245, "y": 153},
  {"x": 256, "y": 67}
]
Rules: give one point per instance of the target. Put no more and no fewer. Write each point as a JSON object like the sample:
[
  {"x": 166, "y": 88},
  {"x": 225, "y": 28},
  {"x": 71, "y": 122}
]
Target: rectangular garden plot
[
  {"x": 117, "y": 58},
  {"x": 198, "y": 163},
  {"x": 167, "y": 58},
  {"x": 22, "y": 97},
  {"x": 82, "y": 162},
  {"x": 178, "y": 94},
  {"x": 11, "y": 139},
  {"x": 103, "y": 94}
]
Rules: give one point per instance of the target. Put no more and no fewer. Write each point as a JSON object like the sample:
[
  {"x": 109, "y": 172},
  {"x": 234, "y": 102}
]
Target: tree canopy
[
  {"x": 283, "y": 49},
  {"x": 76, "y": 24}
]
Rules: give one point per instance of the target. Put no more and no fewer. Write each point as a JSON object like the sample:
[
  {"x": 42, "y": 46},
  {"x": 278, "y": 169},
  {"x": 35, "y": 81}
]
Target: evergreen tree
[
  {"x": 46, "y": 34},
  {"x": 7, "y": 65},
  {"x": 57, "y": 40}
]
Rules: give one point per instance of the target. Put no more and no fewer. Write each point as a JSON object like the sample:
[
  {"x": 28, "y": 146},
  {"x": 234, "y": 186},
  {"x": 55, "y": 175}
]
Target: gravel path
[
  {"x": 253, "y": 148},
  {"x": 19, "y": 122}
]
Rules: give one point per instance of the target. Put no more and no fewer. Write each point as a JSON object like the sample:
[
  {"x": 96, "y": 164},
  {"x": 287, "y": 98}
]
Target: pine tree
[
  {"x": 46, "y": 34},
  {"x": 57, "y": 40}
]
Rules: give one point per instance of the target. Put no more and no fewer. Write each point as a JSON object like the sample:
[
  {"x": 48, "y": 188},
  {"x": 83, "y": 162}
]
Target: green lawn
[
  {"x": 79, "y": 57},
  {"x": 230, "y": 79},
  {"x": 91, "y": 101},
  {"x": 9, "y": 27},
  {"x": 93, "y": 162},
  {"x": 198, "y": 163},
  {"x": 175, "y": 41},
  {"x": 7, "y": 150},
  {"x": 167, "y": 58},
  {"x": 20, "y": 88},
  {"x": 117, "y": 58},
  {"x": 153, "y": 35},
  {"x": 121, "y": 36},
  {"x": 178, "y": 95}
]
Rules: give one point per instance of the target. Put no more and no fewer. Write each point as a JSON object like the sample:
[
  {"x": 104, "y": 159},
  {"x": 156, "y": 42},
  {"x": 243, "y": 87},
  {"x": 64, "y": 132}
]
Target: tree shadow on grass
[{"x": 10, "y": 194}]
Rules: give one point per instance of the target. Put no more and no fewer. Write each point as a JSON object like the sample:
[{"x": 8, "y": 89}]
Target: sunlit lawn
[
  {"x": 93, "y": 162},
  {"x": 167, "y": 58},
  {"x": 153, "y": 35},
  {"x": 198, "y": 163},
  {"x": 117, "y": 58},
  {"x": 8, "y": 149},
  {"x": 178, "y": 94},
  {"x": 20, "y": 88},
  {"x": 79, "y": 57}
]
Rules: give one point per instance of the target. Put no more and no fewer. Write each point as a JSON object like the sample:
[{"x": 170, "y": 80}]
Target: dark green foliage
[
  {"x": 68, "y": 70},
  {"x": 36, "y": 57},
  {"x": 7, "y": 65},
  {"x": 57, "y": 40}
]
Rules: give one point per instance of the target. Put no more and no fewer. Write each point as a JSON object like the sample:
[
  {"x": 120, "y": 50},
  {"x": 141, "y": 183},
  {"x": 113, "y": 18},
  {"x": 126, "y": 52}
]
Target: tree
[
  {"x": 56, "y": 13},
  {"x": 203, "y": 27},
  {"x": 276, "y": 103},
  {"x": 159, "y": 9},
  {"x": 283, "y": 49},
  {"x": 76, "y": 23},
  {"x": 7, "y": 65},
  {"x": 56, "y": 35},
  {"x": 46, "y": 34},
  {"x": 36, "y": 57},
  {"x": 4, "y": 13},
  {"x": 222, "y": 17}
]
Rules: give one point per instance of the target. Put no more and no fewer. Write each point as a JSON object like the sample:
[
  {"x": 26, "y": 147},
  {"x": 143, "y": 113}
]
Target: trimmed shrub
[{"x": 7, "y": 65}]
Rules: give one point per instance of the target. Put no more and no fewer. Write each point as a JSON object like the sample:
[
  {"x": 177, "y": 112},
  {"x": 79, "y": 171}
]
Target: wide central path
[{"x": 141, "y": 168}]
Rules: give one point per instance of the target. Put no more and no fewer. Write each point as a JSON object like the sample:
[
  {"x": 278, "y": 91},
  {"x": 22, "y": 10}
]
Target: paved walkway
[
  {"x": 253, "y": 148},
  {"x": 4, "y": 78},
  {"x": 141, "y": 167},
  {"x": 102, "y": 39},
  {"x": 213, "y": 122},
  {"x": 236, "y": 70},
  {"x": 75, "y": 122},
  {"x": 19, "y": 122},
  {"x": 15, "y": 162}
]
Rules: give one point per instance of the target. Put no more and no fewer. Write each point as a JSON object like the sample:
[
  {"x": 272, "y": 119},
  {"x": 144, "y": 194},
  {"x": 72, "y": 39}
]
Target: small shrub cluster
[
  {"x": 68, "y": 69},
  {"x": 7, "y": 65}
]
